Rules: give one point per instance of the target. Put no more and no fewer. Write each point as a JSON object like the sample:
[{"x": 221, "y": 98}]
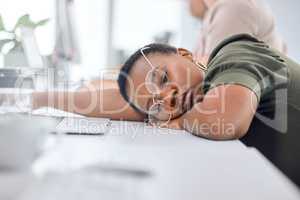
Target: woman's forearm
[
  {"x": 225, "y": 113},
  {"x": 92, "y": 103},
  {"x": 54, "y": 99},
  {"x": 214, "y": 127}
]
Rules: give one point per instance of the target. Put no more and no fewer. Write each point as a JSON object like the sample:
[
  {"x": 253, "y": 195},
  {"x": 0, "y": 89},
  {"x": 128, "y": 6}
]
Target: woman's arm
[
  {"x": 96, "y": 99},
  {"x": 225, "y": 113}
]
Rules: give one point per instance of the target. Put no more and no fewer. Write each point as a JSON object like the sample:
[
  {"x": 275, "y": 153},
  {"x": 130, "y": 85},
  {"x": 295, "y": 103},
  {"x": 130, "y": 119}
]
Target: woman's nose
[{"x": 169, "y": 95}]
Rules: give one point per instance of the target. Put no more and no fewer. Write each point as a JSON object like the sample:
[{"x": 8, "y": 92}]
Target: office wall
[
  {"x": 137, "y": 22},
  {"x": 287, "y": 21},
  {"x": 91, "y": 18},
  {"x": 190, "y": 28}
]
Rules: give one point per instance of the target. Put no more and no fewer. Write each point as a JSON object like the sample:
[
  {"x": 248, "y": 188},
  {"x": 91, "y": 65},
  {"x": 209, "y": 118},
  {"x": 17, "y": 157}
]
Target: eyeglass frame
[{"x": 155, "y": 100}]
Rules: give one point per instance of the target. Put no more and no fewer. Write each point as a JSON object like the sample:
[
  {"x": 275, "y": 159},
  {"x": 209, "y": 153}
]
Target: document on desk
[
  {"x": 75, "y": 124},
  {"x": 83, "y": 126},
  {"x": 52, "y": 112}
]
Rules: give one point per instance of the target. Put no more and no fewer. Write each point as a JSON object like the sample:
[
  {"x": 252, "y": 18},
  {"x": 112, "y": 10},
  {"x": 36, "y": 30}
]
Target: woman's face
[{"x": 172, "y": 88}]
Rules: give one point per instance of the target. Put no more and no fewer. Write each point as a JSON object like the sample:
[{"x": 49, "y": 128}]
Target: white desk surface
[{"x": 177, "y": 166}]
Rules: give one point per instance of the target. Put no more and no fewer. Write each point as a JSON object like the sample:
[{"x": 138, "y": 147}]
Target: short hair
[{"x": 130, "y": 62}]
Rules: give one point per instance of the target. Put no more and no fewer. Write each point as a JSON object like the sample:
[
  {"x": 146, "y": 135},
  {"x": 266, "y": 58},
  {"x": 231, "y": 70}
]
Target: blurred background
[{"x": 83, "y": 37}]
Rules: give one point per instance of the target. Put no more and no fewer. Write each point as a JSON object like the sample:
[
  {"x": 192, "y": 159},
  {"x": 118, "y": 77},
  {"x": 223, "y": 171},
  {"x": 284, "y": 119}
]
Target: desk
[
  {"x": 178, "y": 165},
  {"x": 161, "y": 164}
]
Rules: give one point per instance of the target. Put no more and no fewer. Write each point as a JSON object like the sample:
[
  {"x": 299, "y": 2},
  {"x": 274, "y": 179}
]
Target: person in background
[{"x": 224, "y": 18}]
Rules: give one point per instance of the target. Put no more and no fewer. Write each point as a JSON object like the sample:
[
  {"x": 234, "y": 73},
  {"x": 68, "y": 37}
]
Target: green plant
[{"x": 11, "y": 40}]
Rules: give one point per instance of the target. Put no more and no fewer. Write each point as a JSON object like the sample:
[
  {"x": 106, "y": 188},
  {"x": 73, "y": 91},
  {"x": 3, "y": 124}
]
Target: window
[{"x": 139, "y": 22}]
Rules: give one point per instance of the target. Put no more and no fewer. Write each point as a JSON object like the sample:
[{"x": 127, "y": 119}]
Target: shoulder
[
  {"x": 250, "y": 5},
  {"x": 247, "y": 9},
  {"x": 246, "y": 61},
  {"x": 232, "y": 5},
  {"x": 241, "y": 38}
]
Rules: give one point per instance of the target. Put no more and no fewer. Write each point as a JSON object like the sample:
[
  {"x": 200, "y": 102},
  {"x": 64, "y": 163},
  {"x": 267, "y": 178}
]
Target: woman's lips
[
  {"x": 191, "y": 97},
  {"x": 187, "y": 100},
  {"x": 198, "y": 95}
]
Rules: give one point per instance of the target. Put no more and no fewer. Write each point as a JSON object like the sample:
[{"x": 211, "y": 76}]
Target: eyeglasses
[
  {"x": 156, "y": 77},
  {"x": 155, "y": 80}
]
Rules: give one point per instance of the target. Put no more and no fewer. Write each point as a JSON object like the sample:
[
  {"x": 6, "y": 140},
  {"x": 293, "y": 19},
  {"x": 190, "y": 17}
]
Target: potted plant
[{"x": 10, "y": 40}]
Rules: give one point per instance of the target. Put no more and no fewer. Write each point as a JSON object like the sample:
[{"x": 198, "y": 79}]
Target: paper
[{"x": 52, "y": 112}]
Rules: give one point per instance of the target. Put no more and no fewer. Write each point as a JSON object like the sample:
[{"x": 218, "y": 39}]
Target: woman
[
  {"x": 241, "y": 81},
  {"x": 247, "y": 90},
  {"x": 244, "y": 79}
]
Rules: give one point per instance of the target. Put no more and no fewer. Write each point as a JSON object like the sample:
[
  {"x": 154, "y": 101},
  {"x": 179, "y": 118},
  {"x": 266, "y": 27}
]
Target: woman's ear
[
  {"x": 189, "y": 55},
  {"x": 185, "y": 53}
]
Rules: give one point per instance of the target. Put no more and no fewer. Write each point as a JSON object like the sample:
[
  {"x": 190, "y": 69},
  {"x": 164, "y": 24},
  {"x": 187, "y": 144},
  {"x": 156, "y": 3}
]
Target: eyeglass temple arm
[{"x": 145, "y": 57}]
